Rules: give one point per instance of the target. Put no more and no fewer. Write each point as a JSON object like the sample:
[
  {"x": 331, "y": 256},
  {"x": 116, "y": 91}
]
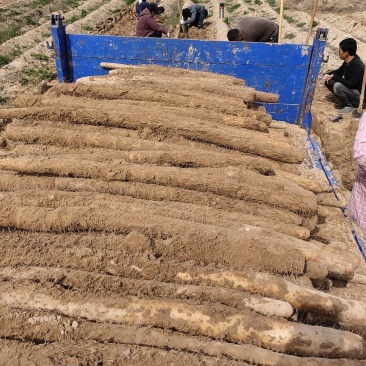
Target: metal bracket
[
  {"x": 325, "y": 60},
  {"x": 56, "y": 19},
  {"x": 50, "y": 45}
]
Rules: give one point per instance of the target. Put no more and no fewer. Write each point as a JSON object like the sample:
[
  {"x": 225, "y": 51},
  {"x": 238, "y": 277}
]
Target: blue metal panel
[
  {"x": 267, "y": 67},
  {"x": 305, "y": 116},
  {"x": 281, "y": 69},
  {"x": 59, "y": 44},
  {"x": 319, "y": 161}
]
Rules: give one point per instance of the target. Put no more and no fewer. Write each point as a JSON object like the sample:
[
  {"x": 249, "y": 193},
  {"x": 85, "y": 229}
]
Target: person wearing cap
[
  {"x": 194, "y": 15},
  {"x": 147, "y": 26},
  {"x": 254, "y": 29}
]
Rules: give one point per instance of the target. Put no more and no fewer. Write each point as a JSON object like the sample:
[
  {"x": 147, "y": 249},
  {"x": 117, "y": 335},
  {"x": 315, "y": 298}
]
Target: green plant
[
  {"x": 289, "y": 19},
  {"x": 130, "y": 2},
  {"x": 258, "y": 2},
  {"x": 4, "y": 60},
  {"x": 301, "y": 24},
  {"x": 290, "y": 35},
  {"x": 23, "y": 80},
  {"x": 88, "y": 28},
  {"x": 248, "y": 1},
  {"x": 315, "y": 23},
  {"x": 13, "y": 30},
  {"x": 40, "y": 56},
  {"x": 271, "y": 3},
  {"x": 3, "y": 100},
  {"x": 231, "y": 8},
  {"x": 227, "y": 21}
]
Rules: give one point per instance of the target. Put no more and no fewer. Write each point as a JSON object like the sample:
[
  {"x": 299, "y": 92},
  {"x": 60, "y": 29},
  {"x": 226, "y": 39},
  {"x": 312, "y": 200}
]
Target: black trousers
[{"x": 157, "y": 34}]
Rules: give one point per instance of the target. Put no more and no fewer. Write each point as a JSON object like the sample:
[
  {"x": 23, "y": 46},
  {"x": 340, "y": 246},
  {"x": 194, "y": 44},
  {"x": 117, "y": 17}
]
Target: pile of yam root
[{"x": 159, "y": 215}]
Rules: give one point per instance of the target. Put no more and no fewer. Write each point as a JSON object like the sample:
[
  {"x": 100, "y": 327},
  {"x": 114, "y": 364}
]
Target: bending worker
[
  {"x": 254, "y": 29},
  {"x": 147, "y": 26},
  {"x": 194, "y": 15}
]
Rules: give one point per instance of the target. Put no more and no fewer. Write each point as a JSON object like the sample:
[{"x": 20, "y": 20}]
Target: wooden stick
[
  {"x": 280, "y": 26},
  {"x": 312, "y": 20}
]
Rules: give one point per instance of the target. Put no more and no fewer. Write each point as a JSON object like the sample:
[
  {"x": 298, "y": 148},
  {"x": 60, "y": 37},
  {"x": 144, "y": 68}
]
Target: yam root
[
  {"x": 182, "y": 211},
  {"x": 127, "y": 287},
  {"x": 212, "y": 113},
  {"x": 207, "y": 242},
  {"x": 349, "y": 313},
  {"x": 255, "y": 188},
  {"x": 214, "y": 322},
  {"x": 147, "y": 151},
  {"x": 11, "y": 181},
  {"x": 226, "y": 136},
  {"x": 120, "y": 335}
]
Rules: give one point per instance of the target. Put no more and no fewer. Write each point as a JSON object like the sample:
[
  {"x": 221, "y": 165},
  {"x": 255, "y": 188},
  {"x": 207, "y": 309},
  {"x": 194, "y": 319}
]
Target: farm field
[{"x": 143, "y": 226}]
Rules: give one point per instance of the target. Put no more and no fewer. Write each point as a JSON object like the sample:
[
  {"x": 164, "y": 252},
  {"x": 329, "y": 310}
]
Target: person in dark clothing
[
  {"x": 143, "y": 5},
  {"x": 254, "y": 29},
  {"x": 346, "y": 82},
  {"x": 147, "y": 26},
  {"x": 194, "y": 15}
]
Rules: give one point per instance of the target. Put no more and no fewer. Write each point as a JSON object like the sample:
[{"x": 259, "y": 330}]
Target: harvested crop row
[
  {"x": 255, "y": 187},
  {"x": 128, "y": 214},
  {"x": 212, "y": 320}
]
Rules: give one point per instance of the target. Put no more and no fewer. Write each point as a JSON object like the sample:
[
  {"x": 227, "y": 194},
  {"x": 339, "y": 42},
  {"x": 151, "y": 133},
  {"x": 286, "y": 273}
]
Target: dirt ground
[{"x": 131, "y": 236}]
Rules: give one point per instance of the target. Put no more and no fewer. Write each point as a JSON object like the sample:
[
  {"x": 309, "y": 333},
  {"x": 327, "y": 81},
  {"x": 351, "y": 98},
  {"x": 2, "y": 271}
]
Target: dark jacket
[
  {"x": 195, "y": 11},
  {"x": 351, "y": 74},
  {"x": 146, "y": 25},
  {"x": 257, "y": 29}
]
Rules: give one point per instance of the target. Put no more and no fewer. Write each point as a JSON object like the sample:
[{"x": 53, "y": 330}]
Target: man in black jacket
[{"x": 346, "y": 82}]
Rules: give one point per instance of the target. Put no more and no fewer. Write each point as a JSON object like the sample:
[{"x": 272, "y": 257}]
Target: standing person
[
  {"x": 346, "y": 82},
  {"x": 194, "y": 15},
  {"x": 254, "y": 29},
  {"x": 357, "y": 203},
  {"x": 147, "y": 26}
]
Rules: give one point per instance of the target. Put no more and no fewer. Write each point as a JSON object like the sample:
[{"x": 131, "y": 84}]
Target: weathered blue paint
[
  {"x": 319, "y": 161},
  {"x": 59, "y": 44},
  {"x": 281, "y": 69},
  {"x": 305, "y": 116}
]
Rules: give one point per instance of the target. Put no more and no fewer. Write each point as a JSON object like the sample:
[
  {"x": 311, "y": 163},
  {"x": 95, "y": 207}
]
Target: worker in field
[
  {"x": 254, "y": 29},
  {"x": 143, "y": 5},
  {"x": 147, "y": 26},
  {"x": 193, "y": 16},
  {"x": 346, "y": 82},
  {"x": 357, "y": 203}
]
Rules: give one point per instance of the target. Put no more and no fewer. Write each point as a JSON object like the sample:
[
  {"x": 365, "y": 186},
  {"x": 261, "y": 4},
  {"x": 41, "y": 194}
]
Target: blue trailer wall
[{"x": 281, "y": 69}]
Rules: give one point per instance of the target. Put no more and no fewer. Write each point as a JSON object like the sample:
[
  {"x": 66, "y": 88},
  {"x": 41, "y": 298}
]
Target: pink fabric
[{"x": 357, "y": 202}]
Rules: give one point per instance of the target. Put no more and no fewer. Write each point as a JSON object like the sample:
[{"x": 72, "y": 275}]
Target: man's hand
[
  {"x": 326, "y": 78},
  {"x": 181, "y": 21}
]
